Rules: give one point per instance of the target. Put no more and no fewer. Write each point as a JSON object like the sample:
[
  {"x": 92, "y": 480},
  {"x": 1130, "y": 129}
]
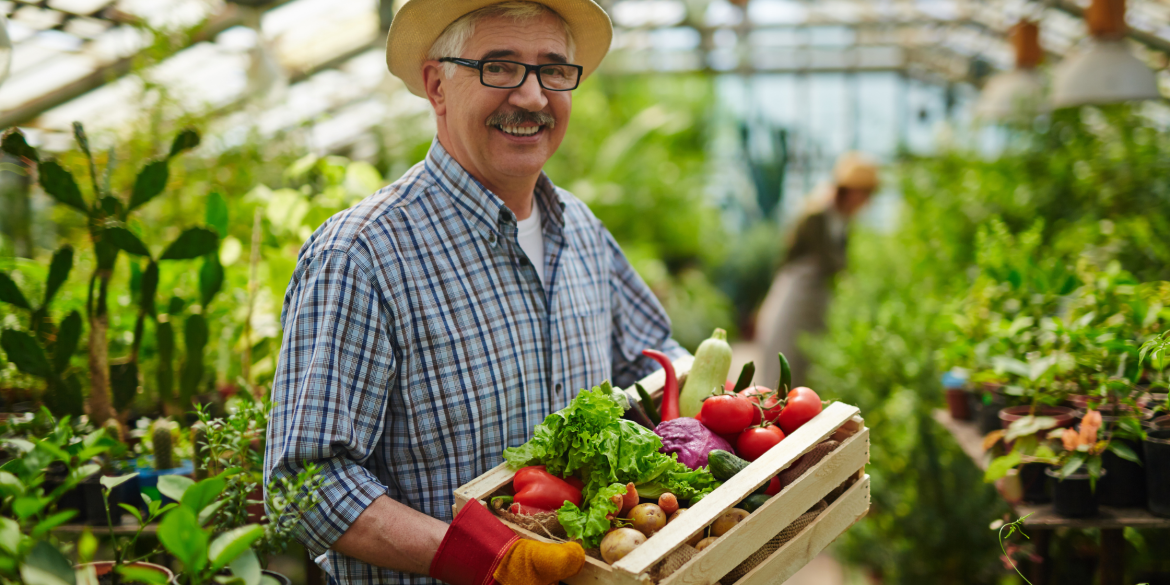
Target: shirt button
[
  {"x": 492, "y": 237},
  {"x": 558, "y": 388},
  {"x": 524, "y": 262}
]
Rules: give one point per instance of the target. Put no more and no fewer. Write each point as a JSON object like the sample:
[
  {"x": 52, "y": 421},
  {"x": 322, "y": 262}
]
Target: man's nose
[{"x": 529, "y": 96}]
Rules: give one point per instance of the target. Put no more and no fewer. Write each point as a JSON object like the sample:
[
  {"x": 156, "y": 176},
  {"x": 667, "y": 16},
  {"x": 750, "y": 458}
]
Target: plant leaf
[
  {"x": 53, "y": 521},
  {"x": 151, "y": 181},
  {"x": 148, "y": 288},
  {"x": 202, "y": 494},
  {"x": 111, "y": 482},
  {"x": 174, "y": 486},
  {"x": 125, "y": 240},
  {"x": 15, "y": 144},
  {"x": 180, "y": 533},
  {"x": 133, "y": 574},
  {"x": 45, "y": 565},
  {"x": 60, "y": 185},
  {"x": 193, "y": 243},
  {"x": 1122, "y": 450},
  {"x": 217, "y": 213},
  {"x": 59, "y": 268},
  {"x": 133, "y": 512},
  {"x": 10, "y": 293},
  {"x": 25, "y": 352},
  {"x": 1000, "y": 466},
  {"x": 210, "y": 278},
  {"x": 68, "y": 335},
  {"x": 233, "y": 543},
  {"x": 1073, "y": 464},
  {"x": 185, "y": 140},
  {"x": 247, "y": 567}
]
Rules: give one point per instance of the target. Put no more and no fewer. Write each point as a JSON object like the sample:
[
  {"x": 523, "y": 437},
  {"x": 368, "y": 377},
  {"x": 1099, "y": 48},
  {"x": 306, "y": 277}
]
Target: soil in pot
[
  {"x": 1157, "y": 451},
  {"x": 1073, "y": 496},
  {"x": 957, "y": 404}
]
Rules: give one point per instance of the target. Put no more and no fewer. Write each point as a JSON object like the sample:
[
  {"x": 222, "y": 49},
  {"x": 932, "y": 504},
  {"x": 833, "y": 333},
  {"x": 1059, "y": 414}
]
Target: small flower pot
[
  {"x": 1034, "y": 482},
  {"x": 1073, "y": 496},
  {"x": 1125, "y": 484},
  {"x": 1157, "y": 452},
  {"x": 273, "y": 578},
  {"x": 106, "y": 568},
  {"x": 1064, "y": 415},
  {"x": 957, "y": 403}
]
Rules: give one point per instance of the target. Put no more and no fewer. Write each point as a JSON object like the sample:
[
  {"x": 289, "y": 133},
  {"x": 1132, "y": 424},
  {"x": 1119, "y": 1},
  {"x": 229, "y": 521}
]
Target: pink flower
[
  {"x": 1089, "y": 426},
  {"x": 1070, "y": 438}
]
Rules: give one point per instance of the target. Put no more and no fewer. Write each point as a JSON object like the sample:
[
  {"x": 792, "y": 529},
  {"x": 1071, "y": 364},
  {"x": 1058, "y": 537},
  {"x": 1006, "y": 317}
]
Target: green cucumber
[
  {"x": 753, "y": 502},
  {"x": 708, "y": 373},
  {"x": 724, "y": 465}
]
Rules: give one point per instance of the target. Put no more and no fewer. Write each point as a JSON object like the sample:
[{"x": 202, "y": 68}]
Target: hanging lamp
[
  {"x": 5, "y": 49},
  {"x": 1105, "y": 72},
  {"x": 1016, "y": 94}
]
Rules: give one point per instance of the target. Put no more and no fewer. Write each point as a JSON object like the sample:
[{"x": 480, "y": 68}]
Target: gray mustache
[{"x": 521, "y": 117}]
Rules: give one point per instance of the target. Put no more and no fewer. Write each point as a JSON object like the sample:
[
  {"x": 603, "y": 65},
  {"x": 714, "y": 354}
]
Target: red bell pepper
[
  {"x": 669, "y": 408},
  {"x": 537, "y": 489}
]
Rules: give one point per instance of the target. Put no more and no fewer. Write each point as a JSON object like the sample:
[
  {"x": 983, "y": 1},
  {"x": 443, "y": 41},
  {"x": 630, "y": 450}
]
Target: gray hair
[{"x": 453, "y": 39}]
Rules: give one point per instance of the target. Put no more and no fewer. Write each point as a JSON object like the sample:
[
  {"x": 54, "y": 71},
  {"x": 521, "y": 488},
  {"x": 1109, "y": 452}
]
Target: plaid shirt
[{"x": 419, "y": 344}]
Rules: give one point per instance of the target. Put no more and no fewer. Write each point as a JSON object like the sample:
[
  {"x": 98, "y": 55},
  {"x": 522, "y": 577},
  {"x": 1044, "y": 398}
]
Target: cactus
[
  {"x": 114, "y": 429},
  {"x": 164, "y": 448},
  {"x": 198, "y": 445}
]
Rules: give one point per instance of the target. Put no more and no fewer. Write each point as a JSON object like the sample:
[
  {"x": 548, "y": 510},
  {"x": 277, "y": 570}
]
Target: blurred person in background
[{"x": 799, "y": 297}]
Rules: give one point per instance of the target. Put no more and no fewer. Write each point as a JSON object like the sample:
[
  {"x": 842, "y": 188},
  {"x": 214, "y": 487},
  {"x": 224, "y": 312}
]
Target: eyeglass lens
[{"x": 505, "y": 75}]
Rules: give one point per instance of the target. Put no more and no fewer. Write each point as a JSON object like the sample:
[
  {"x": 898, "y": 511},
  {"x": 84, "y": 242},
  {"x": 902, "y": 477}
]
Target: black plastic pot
[
  {"x": 95, "y": 508},
  {"x": 1073, "y": 496},
  {"x": 990, "y": 402},
  {"x": 1034, "y": 482},
  {"x": 1125, "y": 484},
  {"x": 1157, "y": 451},
  {"x": 274, "y": 578}
]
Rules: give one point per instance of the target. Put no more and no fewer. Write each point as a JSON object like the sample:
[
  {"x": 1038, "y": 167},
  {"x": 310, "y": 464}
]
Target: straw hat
[
  {"x": 419, "y": 22},
  {"x": 855, "y": 171}
]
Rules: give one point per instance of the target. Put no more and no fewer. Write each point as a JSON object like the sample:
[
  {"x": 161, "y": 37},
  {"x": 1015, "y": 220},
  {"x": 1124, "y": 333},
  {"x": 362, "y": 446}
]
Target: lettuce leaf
[{"x": 589, "y": 439}]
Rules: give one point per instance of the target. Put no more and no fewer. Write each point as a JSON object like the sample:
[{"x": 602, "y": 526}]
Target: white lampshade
[
  {"x": 5, "y": 49},
  {"x": 1105, "y": 73},
  {"x": 1012, "y": 95}
]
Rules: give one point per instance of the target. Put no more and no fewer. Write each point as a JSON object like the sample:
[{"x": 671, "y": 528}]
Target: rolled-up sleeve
[
  {"x": 639, "y": 321},
  {"x": 334, "y": 375}
]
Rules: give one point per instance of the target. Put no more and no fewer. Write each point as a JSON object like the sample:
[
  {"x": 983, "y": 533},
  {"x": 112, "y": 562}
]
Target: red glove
[{"x": 480, "y": 550}]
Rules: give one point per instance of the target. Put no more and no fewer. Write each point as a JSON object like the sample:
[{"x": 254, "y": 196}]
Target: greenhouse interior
[{"x": 336, "y": 292}]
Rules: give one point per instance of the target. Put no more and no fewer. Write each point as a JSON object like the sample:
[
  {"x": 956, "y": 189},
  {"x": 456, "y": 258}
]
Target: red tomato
[
  {"x": 727, "y": 414},
  {"x": 729, "y": 386},
  {"x": 754, "y": 442},
  {"x": 803, "y": 404},
  {"x": 771, "y": 407},
  {"x": 773, "y": 486}
]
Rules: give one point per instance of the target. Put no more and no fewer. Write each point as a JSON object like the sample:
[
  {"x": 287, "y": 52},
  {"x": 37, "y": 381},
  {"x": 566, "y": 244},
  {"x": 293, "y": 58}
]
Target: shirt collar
[{"x": 480, "y": 204}]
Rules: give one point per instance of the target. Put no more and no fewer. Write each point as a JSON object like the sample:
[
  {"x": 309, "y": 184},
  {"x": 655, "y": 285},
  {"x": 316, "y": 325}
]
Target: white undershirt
[{"x": 531, "y": 239}]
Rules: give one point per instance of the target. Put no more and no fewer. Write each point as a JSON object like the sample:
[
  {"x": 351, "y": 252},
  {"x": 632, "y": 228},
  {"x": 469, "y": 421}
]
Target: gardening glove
[{"x": 478, "y": 549}]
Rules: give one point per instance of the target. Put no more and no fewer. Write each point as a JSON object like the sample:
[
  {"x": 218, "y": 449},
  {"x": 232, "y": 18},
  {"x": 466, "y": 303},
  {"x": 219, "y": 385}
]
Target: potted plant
[
  {"x": 1156, "y": 443},
  {"x": 123, "y": 568}
]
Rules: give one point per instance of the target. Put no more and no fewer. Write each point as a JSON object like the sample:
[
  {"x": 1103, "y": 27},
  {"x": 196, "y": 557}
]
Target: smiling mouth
[{"x": 519, "y": 130}]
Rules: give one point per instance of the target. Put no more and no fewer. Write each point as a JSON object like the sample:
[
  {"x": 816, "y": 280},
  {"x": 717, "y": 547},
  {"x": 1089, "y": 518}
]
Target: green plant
[
  {"x": 45, "y": 349},
  {"x": 106, "y": 219},
  {"x": 163, "y": 445},
  {"x": 202, "y": 551},
  {"x": 1012, "y": 528}
]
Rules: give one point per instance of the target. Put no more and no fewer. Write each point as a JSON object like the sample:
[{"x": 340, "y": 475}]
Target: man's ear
[{"x": 433, "y": 79}]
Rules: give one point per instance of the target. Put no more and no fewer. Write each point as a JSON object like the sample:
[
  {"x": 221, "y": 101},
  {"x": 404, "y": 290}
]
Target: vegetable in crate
[
  {"x": 800, "y": 406},
  {"x": 537, "y": 489},
  {"x": 691, "y": 440},
  {"x": 589, "y": 439},
  {"x": 708, "y": 373}
]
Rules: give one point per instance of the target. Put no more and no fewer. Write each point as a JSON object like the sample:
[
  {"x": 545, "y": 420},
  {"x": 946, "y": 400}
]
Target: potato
[
  {"x": 706, "y": 542},
  {"x": 647, "y": 518},
  {"x": 694, "y": 539},
  {"x": 619, "y": 543},
  {"x": 728, "y": 520}
]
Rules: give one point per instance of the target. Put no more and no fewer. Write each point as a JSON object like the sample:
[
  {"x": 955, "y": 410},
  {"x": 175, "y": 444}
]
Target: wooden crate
[{"x": 844, "y": 466}]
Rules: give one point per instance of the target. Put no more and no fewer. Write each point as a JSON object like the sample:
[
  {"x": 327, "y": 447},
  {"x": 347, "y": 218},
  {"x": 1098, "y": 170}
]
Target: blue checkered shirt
[{"x": 419, "y": 344}]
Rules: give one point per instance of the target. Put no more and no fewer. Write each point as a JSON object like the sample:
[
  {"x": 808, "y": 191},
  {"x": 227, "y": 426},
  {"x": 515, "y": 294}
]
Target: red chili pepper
[
  {"x": 536, "y": 488},
  {"x": 669, "y": 408}
]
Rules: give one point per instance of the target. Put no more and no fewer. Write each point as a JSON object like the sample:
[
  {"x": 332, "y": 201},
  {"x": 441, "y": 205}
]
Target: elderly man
[{"x": 438, "y": 321}]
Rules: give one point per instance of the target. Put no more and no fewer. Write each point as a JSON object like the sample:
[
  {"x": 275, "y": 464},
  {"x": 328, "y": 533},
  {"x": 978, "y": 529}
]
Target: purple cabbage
[{"x": 691, "y": 440}]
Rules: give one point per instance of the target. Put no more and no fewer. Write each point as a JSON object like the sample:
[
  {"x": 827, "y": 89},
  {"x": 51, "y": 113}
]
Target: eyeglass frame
[{"x": 478, "y": 65}]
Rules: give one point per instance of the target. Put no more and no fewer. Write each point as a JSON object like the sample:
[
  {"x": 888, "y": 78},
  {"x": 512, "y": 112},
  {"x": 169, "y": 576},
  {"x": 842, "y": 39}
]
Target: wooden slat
[
  {"x": 796, "y": 553},
  {"x": 747, "y": 481},
  {"x": 779, "y": 511},
  {"x": 483, "y": 486}
]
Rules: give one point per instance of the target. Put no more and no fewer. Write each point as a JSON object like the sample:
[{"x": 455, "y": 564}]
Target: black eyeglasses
[{"x": 512, "y": 74}]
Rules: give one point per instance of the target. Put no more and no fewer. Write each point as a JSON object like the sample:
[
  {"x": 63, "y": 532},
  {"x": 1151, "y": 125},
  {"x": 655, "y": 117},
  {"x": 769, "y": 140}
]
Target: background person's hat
[
  {"x": 855, "y": 171},
  {"x": 419, "y": 22}
]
